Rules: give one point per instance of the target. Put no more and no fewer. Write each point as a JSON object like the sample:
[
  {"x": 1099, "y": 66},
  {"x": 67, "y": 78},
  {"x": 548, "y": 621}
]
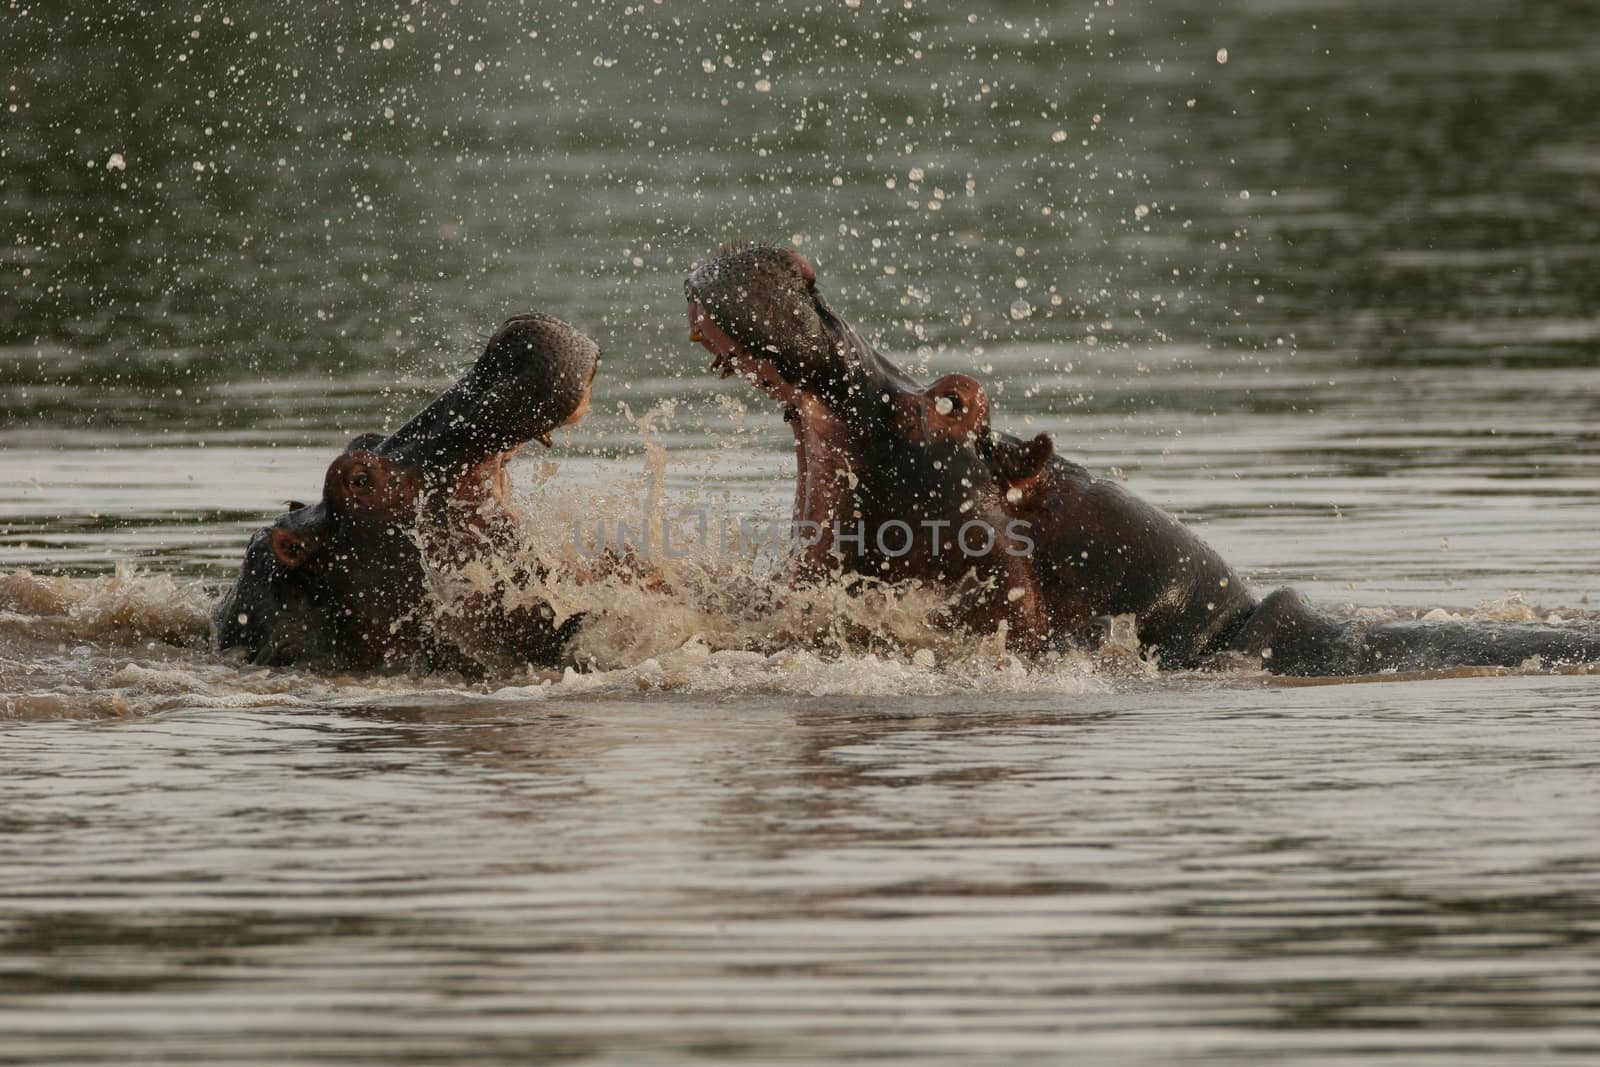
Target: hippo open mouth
[
  {"x": 1028, "y": 544},
  {"x": 893, "y": 480},
  {"x": 1059, "y": 552},
  {"x": 342, "y": 581}
]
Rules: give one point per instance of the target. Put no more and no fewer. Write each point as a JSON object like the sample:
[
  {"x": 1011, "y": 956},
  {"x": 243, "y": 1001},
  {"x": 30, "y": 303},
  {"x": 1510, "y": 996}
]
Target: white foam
[
  {"x": 129, "y": 605},
  {"x": 701, "y": 620}
]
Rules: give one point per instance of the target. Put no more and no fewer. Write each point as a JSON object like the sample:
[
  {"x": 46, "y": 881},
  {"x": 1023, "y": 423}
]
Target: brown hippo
[
  {"x": 342, "y": 582},
  {"x": 900, "y": 481}
]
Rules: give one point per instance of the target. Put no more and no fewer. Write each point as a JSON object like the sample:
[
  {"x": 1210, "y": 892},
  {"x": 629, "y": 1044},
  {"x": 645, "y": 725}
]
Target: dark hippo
[
  {"x": 900, "y": 481},
  {"x": 342, "y": 582}
]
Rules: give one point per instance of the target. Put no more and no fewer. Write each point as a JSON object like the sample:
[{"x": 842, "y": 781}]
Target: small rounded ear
[
  {"x": 806, "y": 270},
  {"x": 365, "y": 485},
  {"x": 293, "y": 549},
  {"x": 956, "y": 407},
  {"x": 1016, "y": 463}
]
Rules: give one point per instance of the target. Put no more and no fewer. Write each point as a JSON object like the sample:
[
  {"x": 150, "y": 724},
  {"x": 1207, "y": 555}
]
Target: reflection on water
[
  {"x": 1218, "y": 876},
  {"x": 1332, "y": 298}
]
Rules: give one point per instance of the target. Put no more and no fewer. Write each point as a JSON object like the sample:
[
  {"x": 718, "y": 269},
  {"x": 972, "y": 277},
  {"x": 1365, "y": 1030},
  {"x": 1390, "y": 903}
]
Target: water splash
[
  {"x": 699, "y": 619},
  {"x": 126, "y": 606}
]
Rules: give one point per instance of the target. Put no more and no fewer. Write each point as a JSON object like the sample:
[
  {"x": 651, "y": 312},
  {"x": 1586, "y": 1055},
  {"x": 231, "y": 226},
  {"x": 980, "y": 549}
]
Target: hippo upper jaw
[
  {"x": 756, "y": 308},
  {"x": 536, "y": 374},
  {"x": 757, "y": 312},
  {"x": 875, "y": 452}
]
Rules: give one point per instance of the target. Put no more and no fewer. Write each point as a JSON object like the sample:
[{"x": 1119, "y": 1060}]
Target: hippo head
[
  {"x": 341, "y": 582},
  {"x": 894, "y": 479},
  {"x": 758, "y": 310}
]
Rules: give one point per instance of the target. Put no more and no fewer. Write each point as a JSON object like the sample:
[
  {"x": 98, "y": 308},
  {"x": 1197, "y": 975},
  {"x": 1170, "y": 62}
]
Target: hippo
[
  {"x": 342, "y": 582},
  {"x": 897, "y": 481}
]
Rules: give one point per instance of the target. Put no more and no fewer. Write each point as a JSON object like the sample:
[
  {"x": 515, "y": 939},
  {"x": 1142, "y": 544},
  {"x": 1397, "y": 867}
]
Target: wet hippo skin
[
  {"x": 875, "y": 450},
  {"x": 341, "y": 582}
]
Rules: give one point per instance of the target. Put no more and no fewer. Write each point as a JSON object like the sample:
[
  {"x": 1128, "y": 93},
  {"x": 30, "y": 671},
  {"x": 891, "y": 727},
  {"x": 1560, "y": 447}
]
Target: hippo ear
[
  {"x": 1016, "y": 464},
  {"x": 807, "y": 271},
  {"x": 292, "y": 549}
]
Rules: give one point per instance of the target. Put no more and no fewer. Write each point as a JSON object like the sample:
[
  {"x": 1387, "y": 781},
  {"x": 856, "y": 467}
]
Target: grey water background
[{"x": 233, "y": 235}]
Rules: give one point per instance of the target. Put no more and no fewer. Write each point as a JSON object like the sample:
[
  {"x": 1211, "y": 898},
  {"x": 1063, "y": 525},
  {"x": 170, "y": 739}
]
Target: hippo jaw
[
  {"x": 757, "y": 310},
  {"x": 872, "y": 447},
  {"x": 342, "y": 581}
]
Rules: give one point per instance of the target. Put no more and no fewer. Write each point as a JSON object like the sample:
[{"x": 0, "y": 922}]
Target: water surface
[{"x": 1331, "y": 299}]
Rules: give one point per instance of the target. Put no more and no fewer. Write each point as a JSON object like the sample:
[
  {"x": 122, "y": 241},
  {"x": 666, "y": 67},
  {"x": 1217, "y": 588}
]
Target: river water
[{"x": 1318, "y": 276}]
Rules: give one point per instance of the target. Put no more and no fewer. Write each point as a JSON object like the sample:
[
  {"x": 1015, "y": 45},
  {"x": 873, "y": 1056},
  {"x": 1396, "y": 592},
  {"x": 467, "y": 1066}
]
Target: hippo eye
[
  {"x": 948, "y": 403},
  {"x": 361, "y": 479}
]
